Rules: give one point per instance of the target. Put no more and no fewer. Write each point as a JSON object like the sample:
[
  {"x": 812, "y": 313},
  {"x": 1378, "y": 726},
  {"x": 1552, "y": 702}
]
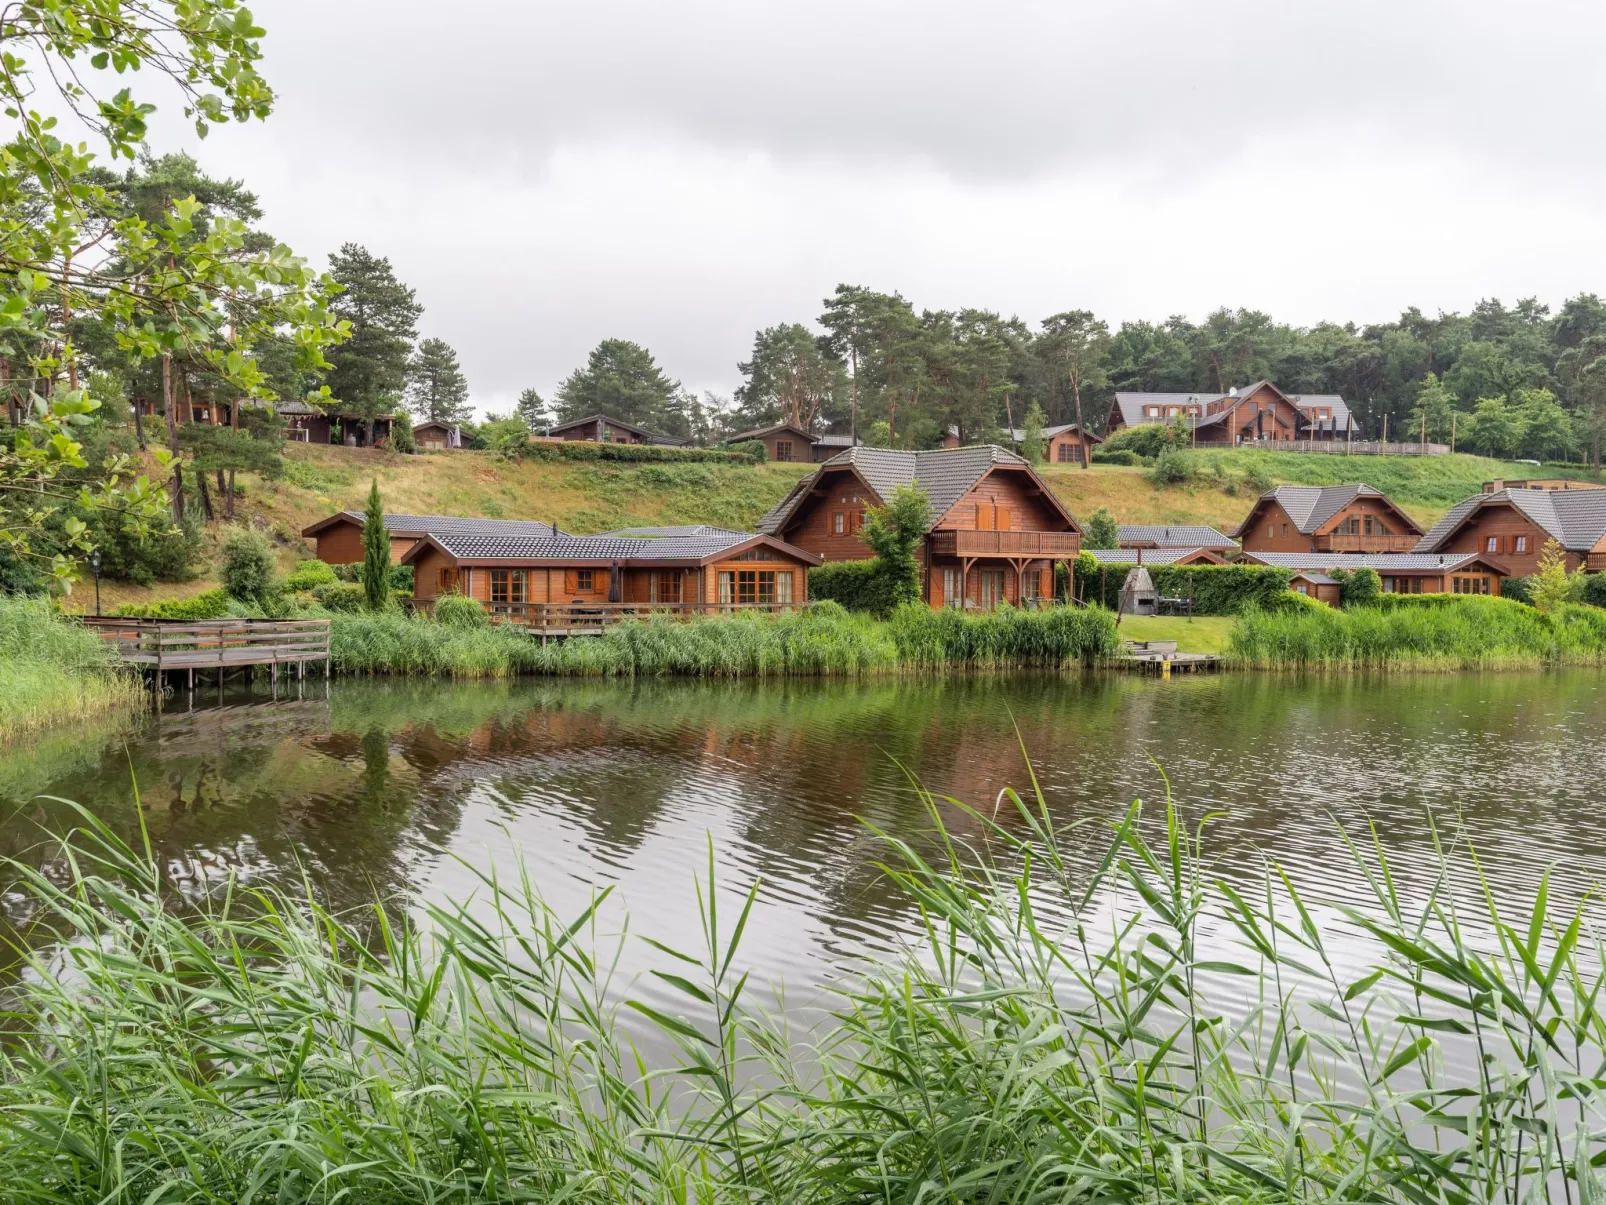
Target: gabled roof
[
  {"x": 837, "y": 441},
  {"x": 1130, "y": 405},
  {"x": 1018, "y": 434},
  {"x": 679, "y": 531},
  {"x": 419, "y": 525},
  {"x": 1575, "y": 519},
  {"x": 1309, "y": 506},
  {"x": 1383, "y": 562},
  {"x": 591, "y": 420},
  {"x": 1156, "y": 556},
  {"x": 436, "y": 422},
  {"x": 775, "y": 429},
  {"x": 946, "y": 475},
  {"x": 698, "y": 546},
  {"x": 1133, "y": 534}
]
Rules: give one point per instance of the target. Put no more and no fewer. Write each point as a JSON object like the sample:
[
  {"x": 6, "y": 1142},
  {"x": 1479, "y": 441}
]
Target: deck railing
[
  {"x": 566, "y": 616},
  {"x": 210, "y": 643},
  {"x": 1335, "y": 447},
  {"x": 1344, "y": 541},
  {"x": 1005, "y": 543}
]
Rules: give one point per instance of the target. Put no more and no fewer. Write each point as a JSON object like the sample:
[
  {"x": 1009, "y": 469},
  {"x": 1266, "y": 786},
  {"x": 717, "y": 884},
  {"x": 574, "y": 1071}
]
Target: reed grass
[
  {"x": 1467, "y": 632},
  {"x": 1053, "y": 1035},
  {"x": 821, "y": 640},
  {"x": 52, "y": 670}
]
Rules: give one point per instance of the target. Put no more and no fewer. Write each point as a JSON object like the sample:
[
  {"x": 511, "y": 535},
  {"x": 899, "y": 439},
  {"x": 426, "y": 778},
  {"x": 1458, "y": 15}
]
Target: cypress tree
[{"x": 375, "y": 553}]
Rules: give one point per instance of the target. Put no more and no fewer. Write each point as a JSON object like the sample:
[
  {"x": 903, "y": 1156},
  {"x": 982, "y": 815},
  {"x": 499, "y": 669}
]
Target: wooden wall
[
  {"x": 1505, "y": 523},
  {"x": 341, "y": 544},
  {"x": 812, "y": 530},
  {"x": 1006, "y": 491},
  {"x": 1062, "y": 448},
  {"x": 1283, "y": 537}
]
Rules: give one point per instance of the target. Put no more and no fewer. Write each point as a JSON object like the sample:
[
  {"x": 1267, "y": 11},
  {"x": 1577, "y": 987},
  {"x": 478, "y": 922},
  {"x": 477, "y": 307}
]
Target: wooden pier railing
[{"x": 165, "y": 644}]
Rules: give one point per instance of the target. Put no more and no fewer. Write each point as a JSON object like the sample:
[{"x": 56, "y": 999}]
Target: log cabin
[
  {"x": 702, "y": 568},
  {"x": 600, "y": 428},
  {"x": 1540, "y": 483},
  {"x": 1261, "y": 413},
  {"x": 1327, "y": 518},
  {"x": 994, "y": 532},
  {"x": 303, "y": 422},
  {"x": 1515, "y": 524},
  {"x": 1147, "y": 535},
  {"x": 436, "y": 436},
  {"x": 1312, "y": 583},
  {"x": 1401, "y": 572},
  {"x": 1064, "y": 444},
  {"x": 785, "y": 443},
  {"x": 1127, "y": 557},
  {"x": 339, "y": 537}
]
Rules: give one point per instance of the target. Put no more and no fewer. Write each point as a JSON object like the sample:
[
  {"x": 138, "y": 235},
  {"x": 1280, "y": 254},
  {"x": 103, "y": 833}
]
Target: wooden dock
[
  {"x": 1161, "y": 657},
  {"x": 165, "y": 646}
]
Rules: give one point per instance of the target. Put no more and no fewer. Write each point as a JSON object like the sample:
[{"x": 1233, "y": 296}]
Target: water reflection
[{"x": 380, "y": 786}]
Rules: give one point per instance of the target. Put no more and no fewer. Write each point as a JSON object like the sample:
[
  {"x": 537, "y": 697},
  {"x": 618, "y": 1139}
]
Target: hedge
[
  {"x": 213, "y": 604},
  {"x": 856, "y": 585},
  {"x": 1215, "y": 589},
  {"x": 585, "y": 449}
]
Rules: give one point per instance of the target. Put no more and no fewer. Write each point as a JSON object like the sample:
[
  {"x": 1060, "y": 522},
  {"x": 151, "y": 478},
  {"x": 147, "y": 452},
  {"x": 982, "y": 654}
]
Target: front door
[{"x": 990, "y": 588}]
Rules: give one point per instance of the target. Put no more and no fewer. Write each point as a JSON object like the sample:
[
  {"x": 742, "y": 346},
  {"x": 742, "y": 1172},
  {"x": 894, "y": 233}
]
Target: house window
[
  {"x": 1285, "y": 529},
  {"x": 507, "y": 586},
  {"x": 663, "y": 586},
  {"x": 1152, "y": 412},
  {"x": 585, "y": 580},
  {"x": 1271, "y": 531},
  {"x": 1031, "y": 585},
  {"x": 783, "y": 588},
  {"x": 1299, "y": 588},
  {"x": 726, "y": 588},
  {"x": 991, "y": 588},
  {"x": 445, "y": 580},
  {"x": 783, "y": 449},
  {"x": 1491, "y": 544},
  {"x": 1068, "y": 453},
  {"x": 1522, "y": 544},
  {"x": 755, "y": 586},
  {"x": 953, "y": 588},
  {"x": 858, "y": 521},
  {"x": 1470, "y": 585},
  {"x": 839, "y": 523}
]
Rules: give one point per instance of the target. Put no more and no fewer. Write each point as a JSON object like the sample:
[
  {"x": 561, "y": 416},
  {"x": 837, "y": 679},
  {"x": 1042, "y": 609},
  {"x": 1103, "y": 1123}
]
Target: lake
[{"x": 375, "y": 785}]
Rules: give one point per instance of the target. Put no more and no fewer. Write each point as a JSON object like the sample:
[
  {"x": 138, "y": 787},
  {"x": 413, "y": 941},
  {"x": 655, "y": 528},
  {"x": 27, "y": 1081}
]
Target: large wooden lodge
[
  {"x": 1261, "y": 413},
  {"x": 995, "y": 527},
  {"x": 1327, "y": 518}
]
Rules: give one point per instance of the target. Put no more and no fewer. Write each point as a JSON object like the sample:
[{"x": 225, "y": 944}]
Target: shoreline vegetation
[
  {"x": 54, "y": 671},
  {"x": 1065, "y": 1028}
]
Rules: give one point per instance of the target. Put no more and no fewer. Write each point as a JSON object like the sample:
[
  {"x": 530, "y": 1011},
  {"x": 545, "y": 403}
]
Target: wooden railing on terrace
[
  {"x": 1335, "y": 447},
  {"x": 1344, "y": 541},
  {"x": 166, "y": 644},
  {"x": 586, "y": 616},
  {"x": 1005, "y": 543}
]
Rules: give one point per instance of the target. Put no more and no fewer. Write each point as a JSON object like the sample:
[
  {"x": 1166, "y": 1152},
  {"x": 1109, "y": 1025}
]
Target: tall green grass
[
  {"x": 820, "y": 640},
  {"x": 1435, "y": 632},
  {"x": 1058, "y": 1033},
  {"x": 53, "y": 670}
]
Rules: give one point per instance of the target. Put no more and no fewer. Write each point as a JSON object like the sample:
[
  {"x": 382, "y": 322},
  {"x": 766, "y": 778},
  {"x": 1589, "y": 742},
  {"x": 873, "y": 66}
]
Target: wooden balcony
[
  {"x": 1345, "y": 541},
  {"x": 1062, "y": 544}
]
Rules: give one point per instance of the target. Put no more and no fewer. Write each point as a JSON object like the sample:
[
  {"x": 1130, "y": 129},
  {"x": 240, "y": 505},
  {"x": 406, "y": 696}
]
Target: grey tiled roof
[
  {"x": 693, "y": 546},
  {"x": 760, "y": 432},
  {"x": 946, "y": 474},
  {"x": 444, "y": 524},
  {"x": 1576, "y": 519},
  {"x": 838, "y": 441},
  {"x": 1018, "y": 434},
  {"x": 1151, "y": 556},
  {"x": 1132, "y": 404},
  {"x": 1174, "y": 537},
  {"x": 1383, "y": 562},
  {"x": 1317, "y": 578},
  {"x": 651, "y": 437},
  {"x": 1309, "y": 506},
  {"x": 659, "y": 533}
]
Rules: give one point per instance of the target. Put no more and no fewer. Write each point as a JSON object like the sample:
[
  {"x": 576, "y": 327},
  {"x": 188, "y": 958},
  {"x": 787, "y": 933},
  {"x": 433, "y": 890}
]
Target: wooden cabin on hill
[
  {"x": 1515, "y": 524},
  {"x": 995, "y": 527},
  {"x": 339, "y": 537},
  {"x": 785, "y": 443},
  {"x": 1327, "y": 518},
  {"x": 433, "y": 435},
  {"x": 602, "y": 429},
  {"x": 1259, "y": 414},
  {"x": 1401, "y": 572}
]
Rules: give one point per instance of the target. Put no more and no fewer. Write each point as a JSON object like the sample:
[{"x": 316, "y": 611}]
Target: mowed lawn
[{"x": 1197, "y": 634}]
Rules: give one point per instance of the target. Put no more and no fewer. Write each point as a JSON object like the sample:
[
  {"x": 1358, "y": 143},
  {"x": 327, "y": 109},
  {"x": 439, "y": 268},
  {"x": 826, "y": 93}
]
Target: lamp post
[{"x": 94, "y": 567}]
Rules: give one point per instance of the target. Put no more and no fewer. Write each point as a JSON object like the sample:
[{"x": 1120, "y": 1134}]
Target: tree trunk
[
  {"x": 139, "y": 425},
  {"x": 228, "y": 504},
  {"x": 1081, "y": 431},
  {"x": 171, "y": 408},
  {"x": 225, "y": 493},
  {"x": 853, "y": 420},
  {"x": 206, "y": 496}
]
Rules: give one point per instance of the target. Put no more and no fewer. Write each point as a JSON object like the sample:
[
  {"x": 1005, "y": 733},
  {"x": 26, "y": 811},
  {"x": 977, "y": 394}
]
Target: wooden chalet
[
  {"x": 1327, "y": 518},
  {"x": 785, "y": 443},
  {"x": 339, "y": 537},
  {"x": 1313, "y": 583},
  {"x": 436, "y": 436},
  {"x": 1515, "y": 524},
  {"x": 1125, "y": 558},
  {"x": 1153, "y": 535},
  {"x": 304, "y": 422},
  {"x": 1401, "y": 572},
  {"x": 1261, "y": 413},
  {"x": 599, "y": 428},
  {"x": 1540, "y": 483},
  {"x": 557, "y": 580},
  {"x": 1064, "y": 444},
  {"x": 995, "y": 527}
]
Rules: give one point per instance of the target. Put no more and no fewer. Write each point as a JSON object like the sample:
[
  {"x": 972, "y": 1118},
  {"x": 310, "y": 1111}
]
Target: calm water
[{"x": 379, "y": 786}]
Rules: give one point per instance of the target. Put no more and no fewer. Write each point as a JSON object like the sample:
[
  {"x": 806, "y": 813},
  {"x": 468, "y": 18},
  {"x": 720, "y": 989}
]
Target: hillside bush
[
  {"x": 1124, "y": 456},
  {"x": 340, "y": 597},
  {"x": 1358, "y": 587},
  {"x": 167, "y": 553},
  {"x": 1593, "y": 591},
  {"x": 752, "y": 449},
  {"x": 1174, "y": 467},
  {"x": 309, "y": 574},
  {"x": 247, "y": 567},
  {"x": 211, "y": 604},
  {"x": 855, "y": 585},
  {"x": 1148, "y": 439},
  {"x": 460, "y": 611},
  {"x": 581, "y": 449},
  {"x": 1215, "y": 589}
]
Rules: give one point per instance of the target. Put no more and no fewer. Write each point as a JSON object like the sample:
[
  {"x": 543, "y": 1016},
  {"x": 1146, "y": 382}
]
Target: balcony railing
[
  {"x": 1345, "y": 541},
  {"x": 1005, "y": 543},
  {"x": 588, "y": 616}
]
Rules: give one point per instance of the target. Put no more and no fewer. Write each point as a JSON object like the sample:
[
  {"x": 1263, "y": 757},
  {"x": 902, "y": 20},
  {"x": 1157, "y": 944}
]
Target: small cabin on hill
[
  {"x": 1515, "y": 524},
  {"x": 1327, "y": 518},
  {"x": 785, "y": 443},
  {"x": 602, "y": 429},
  {"x": 1064, "y": 444},
  {"x": 995, "y": 527},
  {"x": 339, "y": 537},
  {"x": 436, "y": 436},
  {"x": 1157, "y": 535},
  {"x": 696, "y": 568},
  {"x": 1401, "y": 572},
  {"x": 1258, "y": 414}
]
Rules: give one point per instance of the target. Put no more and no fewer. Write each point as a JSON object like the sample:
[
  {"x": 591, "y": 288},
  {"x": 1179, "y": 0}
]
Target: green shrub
[
  {"x": 248, "y": 563},
  {"x": 580, "y": 449},
  {"x": 169, "y": 553},
  {"x": 401, "y": 436},
  {"x": 460, "y": 611},
  {"x": 752, "y": 449},
  {"x": 1358, "y": 588},
  {"x": 401, "y": 579},
  {"x": 309, "y": 574},
  {"x": 212, "y": 604},
  {"x": 1174, "y": 467},
  {"x": 855, "y": 585},
  {"x": 1124, "y": 456},
  {"x": 1148, "y": 440},
  {"x": 1052, "y": 636},
  {"x": 54, "y": 670},
  {"x": 1520, "y": 589},
  {"x": 1593, "y": 592},
  {"x": 1215, "y": 589},
  {"x": 340, "y": 597}
]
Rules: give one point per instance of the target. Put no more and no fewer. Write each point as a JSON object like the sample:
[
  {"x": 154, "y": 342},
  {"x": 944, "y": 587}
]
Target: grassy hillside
[{"x": 594, "y": 496}]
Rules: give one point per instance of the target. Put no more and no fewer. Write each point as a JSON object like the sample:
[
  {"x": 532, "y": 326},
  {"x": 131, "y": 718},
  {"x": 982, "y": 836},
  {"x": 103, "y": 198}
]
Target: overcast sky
[{"x": 547, "y": 174}]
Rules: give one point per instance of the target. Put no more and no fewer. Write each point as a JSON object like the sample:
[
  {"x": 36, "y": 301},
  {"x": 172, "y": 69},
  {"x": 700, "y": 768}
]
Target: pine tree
[
  {"x": 436, "y": 387},
  {"x": 375, "y": 572},
  {"x": 621, "y": 380},
  {"x": 369, "y": 370},
  {"x": 531, "y": 407}
]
